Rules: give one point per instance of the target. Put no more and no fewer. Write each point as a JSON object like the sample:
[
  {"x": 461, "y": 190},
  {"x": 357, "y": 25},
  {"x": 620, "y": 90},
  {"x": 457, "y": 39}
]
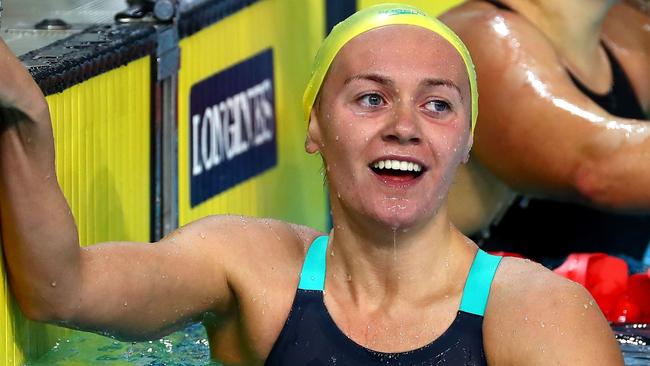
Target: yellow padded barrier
[
  {"x": 102, "y": 139},
  {"x": 293, "y": 189},
  {"x": 431, "y": 7}
]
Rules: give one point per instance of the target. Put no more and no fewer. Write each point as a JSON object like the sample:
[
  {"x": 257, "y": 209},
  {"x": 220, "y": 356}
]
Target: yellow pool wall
[{"x": 102, "y": 143}]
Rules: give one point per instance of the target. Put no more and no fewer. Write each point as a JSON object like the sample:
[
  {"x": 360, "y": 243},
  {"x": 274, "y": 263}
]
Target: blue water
[
  {"x": 189, "y": 347},
  {"x": 634, "y": 340}
]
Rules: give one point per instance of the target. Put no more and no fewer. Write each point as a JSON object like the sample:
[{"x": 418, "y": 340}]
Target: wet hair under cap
[{"x": 375, "y": 17}]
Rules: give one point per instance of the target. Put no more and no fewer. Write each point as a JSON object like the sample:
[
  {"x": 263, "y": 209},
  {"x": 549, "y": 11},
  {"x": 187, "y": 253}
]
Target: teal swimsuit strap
[
  {"x": 475, "y": 294},
  {"x": 312, "y": 276},
  {"x": 477, "y": 287}
]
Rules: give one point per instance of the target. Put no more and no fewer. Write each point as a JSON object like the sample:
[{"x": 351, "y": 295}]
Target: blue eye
[
  {"x": 372, "y": 100},
  {"x": 437, "y": 106}
]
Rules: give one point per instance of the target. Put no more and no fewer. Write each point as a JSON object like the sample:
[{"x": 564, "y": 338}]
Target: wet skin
[
  {"x": 537, "y": 133},
  {"x": 392, "y": 101},
  {"x": 380, "y": 102},
  {"x": 394, "y": 275}
]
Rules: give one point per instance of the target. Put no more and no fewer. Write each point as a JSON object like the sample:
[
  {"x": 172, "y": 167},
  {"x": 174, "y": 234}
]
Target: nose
[{"x": 402, "y": 127}]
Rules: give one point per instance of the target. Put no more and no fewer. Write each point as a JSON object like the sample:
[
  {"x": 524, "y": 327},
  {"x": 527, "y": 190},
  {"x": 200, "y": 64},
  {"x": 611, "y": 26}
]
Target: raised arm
[
  {"x": 130, "y": 290},
  {"x": 537, "y": 131}
]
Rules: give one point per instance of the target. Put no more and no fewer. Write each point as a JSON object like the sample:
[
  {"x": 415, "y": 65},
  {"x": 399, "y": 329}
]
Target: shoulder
[
  {"x": 262, "y": 259},
  {"x": 240, "y": 243},
  {"x": 496, "y": 34},
  {"x": 514, "y": 61},
  {"x": 537, "y": 317}
]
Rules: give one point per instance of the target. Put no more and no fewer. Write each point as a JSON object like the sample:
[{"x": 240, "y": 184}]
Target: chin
[{"x": 402, "y": 217}]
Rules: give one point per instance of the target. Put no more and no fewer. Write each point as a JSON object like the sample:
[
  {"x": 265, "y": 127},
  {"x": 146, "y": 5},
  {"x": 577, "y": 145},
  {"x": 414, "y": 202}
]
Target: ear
[
  {"x": 468, "y": 147},
  {"x": 314, "y": 139}
]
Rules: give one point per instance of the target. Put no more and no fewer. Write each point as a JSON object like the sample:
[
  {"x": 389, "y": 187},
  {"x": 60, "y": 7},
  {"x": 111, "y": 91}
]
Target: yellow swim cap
[{"x": 375, "y": 17}]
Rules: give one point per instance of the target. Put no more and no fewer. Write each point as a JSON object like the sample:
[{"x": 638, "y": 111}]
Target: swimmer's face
[{"x": 399, "y": 94}]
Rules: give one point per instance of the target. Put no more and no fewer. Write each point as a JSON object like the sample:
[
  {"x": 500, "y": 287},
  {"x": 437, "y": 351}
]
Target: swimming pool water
[
  {"x": 634, "y": 340},
  {"x": 189, "y": 347}
]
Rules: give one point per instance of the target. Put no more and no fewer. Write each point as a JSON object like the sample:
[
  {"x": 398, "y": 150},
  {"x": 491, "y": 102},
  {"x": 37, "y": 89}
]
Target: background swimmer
[
  {"x": 563, "y": 122},
  {"x": 395, "y": 273}
]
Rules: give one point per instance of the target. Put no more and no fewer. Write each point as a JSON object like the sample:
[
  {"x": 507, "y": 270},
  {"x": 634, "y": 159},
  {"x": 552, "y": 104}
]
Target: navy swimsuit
[
  {"x": 311, "y": 338},
  {"x": 546, "y": 230}
]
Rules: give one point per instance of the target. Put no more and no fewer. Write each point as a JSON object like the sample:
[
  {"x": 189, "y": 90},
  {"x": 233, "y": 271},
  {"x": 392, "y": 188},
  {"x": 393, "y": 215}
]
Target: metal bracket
[
  {"x": 148, "y": 11},
  {"x": 162, "y": 14},
  {"x": 167, "y": 52}
]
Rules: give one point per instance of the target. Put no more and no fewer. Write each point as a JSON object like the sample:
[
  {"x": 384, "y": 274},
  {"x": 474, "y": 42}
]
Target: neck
[
  {"x": 574, "y": 27},
  {"x": 380, "y": 264}
]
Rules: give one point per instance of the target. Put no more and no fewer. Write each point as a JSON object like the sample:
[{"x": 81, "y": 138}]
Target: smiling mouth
[{"x": 397, "y": 170}]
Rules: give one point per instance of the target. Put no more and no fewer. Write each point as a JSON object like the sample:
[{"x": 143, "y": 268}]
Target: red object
[
  {"x": 627, "y": 311},
  {"x": 638, "y": 292},
  {"x": 606, "y": 279}
]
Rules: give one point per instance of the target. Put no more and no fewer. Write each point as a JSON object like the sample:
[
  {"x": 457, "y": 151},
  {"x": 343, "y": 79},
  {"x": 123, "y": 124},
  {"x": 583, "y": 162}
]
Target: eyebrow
[
  {"x": 428, "y": 82},
  {"x": 442, "y": 82},
  {"x": 372, "y": 77}
]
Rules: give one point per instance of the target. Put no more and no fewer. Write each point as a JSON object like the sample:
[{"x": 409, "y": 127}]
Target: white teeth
[{"x": 397, "y": 165}]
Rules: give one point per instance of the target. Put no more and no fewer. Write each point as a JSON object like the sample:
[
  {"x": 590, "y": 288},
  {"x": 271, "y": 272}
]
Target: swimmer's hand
[{"x": 20, "y": 97}]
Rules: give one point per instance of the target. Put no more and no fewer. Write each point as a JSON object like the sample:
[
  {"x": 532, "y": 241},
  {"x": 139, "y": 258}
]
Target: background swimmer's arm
[
  {"x": 537, "y": 131},
  {"x": 476, "y": 198},
  {"x": 535, "y": 317},
  {"x": 131, "y": 290}
]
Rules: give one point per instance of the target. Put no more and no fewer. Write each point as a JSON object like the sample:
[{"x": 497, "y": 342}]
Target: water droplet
[
  {"x": 53, "y": 284},
  {"x": 125, "y": 304},
  {"x": 202, "y": 235},
  {"x": 395, "y": 244}
]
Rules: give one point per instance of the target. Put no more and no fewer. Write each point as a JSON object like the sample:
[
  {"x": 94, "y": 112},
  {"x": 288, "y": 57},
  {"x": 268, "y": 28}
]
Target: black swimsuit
[
  {"x": 310, "y": 337},
  {"x": 543, "y": 229}
]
